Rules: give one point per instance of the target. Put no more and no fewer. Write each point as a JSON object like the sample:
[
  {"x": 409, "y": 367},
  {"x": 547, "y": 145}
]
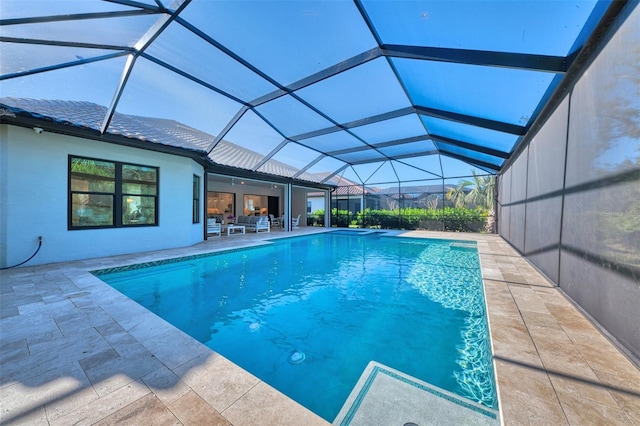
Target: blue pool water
[{"x": 307, "y": 314}]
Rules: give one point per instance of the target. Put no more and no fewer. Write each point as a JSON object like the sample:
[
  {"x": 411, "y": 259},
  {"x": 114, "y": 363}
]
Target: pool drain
[{"x": 297, "y": 357}]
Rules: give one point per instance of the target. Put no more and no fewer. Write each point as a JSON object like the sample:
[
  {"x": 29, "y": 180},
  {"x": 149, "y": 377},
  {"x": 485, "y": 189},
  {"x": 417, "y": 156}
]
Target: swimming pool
[{"x": 307, "y": 314}]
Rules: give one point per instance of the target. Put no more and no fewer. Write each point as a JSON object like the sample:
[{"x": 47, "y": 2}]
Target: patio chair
[
  {"x": 295, "y": 222},
  {"x": 275, "y": 221},
  {"x": 214, "y": 227}
]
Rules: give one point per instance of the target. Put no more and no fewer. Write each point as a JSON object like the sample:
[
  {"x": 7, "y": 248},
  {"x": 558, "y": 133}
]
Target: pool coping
[{"x": 528, "y": 318}]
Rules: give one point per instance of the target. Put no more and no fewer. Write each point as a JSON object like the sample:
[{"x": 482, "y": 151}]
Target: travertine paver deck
[{"x": 74, "y": 350}]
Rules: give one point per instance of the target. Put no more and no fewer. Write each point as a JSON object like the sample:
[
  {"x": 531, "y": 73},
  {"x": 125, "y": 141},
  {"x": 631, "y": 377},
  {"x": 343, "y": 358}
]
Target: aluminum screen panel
[
  {"x": 604, "y": 126},
  {"x": 429, "y": 168},
  {"x": 18, "y": 57},
  {"x": 454, "y": 167},
  {"x": 12, "y": 9},
  {"x": 384, "y": 173},
  {"x": 365, "y": 171},
  {"x": 407, "y": 149},
  {"x": 253, "y": 134},
  {"x": 390, "y": 130},
  {"x": 357, "y": 93},
  {"x": 154, "y": 91},
  {"x": 360, "y": 156},
  {"x": 333, "y": 142},
  {"x": 323, "y": 168},
  {"x": 286, "y": 40},
  {"x": 537, "y": 27},
  {"x": 472, "y": 134},
  {"x": 71, "y": 83},
  {"x": 348, "y": 177},
  {"x": 182, "y": 49},
  {"x": 472, "y": 155},
  {"x": 293, "y": 155},
  {"x": 119, "y": 31},
  {"x": 480, "y": 91},
  {"x": 291, "y": 116}
]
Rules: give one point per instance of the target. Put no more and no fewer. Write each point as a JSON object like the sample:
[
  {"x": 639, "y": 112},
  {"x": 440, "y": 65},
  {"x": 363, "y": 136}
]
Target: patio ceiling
[{"x": 369, "y": 90}]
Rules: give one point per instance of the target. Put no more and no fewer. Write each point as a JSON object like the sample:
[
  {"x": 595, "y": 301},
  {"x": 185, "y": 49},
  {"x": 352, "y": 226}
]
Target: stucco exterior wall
[
  {"x": 34, "y": 193},
  {"x": 299, "y": 204}
]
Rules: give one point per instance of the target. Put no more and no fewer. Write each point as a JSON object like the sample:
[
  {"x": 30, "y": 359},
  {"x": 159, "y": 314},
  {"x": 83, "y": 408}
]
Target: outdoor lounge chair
[
  {"x": 275, "y": 221},
  {"x": 295, "y": 222},
  {"x": 214, "y": 227}
]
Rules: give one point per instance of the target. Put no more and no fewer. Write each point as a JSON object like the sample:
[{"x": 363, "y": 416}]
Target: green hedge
[{"x": 447, "y": 219}]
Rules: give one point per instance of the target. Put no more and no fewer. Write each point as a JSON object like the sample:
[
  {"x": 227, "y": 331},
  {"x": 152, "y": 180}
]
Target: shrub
[{"x": 455, "y": 219}]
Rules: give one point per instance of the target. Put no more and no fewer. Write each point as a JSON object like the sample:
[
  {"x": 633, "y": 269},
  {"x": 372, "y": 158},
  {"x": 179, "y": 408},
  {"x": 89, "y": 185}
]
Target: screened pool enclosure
[
  {"x": 515, "y": 117},
  {"x": 395, "y": 103}
]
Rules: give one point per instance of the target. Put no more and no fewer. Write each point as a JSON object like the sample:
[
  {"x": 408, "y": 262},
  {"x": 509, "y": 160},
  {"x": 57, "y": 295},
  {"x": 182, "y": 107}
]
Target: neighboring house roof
[
  {"x": 418, "y": 189},
  {"x": 161, "y": 131},
  {"x": 354, "y": 189},
  {"x": 343, "y": 186}
]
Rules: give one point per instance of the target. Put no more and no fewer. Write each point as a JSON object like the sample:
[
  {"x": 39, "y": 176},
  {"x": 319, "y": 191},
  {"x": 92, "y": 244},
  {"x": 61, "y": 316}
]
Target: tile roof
[{"x": 88, "y": 115}]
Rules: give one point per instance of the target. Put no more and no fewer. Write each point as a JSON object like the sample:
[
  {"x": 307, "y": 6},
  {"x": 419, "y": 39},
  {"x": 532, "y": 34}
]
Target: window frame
[
  {"x": 117, "y": 194},
  {"x": 195, "y": 214}
]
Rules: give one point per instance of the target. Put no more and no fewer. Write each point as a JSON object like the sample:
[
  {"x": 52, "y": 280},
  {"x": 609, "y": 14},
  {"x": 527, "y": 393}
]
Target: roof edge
[{"x": 15, "y": 118}]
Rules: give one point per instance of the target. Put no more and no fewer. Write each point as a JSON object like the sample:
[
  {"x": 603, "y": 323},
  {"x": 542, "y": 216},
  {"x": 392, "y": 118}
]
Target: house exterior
[
  {"x": 153, "y": 198},
  {"x": 35, "y": 199}
]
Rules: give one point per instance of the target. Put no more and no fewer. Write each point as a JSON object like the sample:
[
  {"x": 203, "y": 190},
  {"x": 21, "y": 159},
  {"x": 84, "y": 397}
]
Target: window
[
  {"x": 196, "y": 199},
  {"x": 106, "y": 194},
  {"x": 255, "y": 205},
  {"x": 220, "y": 205}
]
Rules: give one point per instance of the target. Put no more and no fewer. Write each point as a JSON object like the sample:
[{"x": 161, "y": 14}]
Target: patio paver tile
[
  {"x": 626, "y": 392},
  {"x": 586, "y": 388},
  {"x": 163, "y": 347},
  {"x": 267, "y": 408},
  {"x": 134, "y": 363},
  {"x": 511, "y": 340},
  {"x": 533, "y": 404},
  {"x": 146, "y": 410},
  {"x": 582, "y": 411},
  {"x": 527, "y": 300},
  {"x": 104, "y": 406},
  {"x": 166, "y": 385},
  {"x": 191, "y": 409},
  {"x": 51, "y": 387},
  {"x": 13, "y": 352},
  {"x": 216, "y": 379}
]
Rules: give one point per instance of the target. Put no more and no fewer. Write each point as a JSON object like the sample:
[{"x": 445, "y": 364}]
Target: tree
[
  {"x": 457, "y": 194},
  {"x": 483, "y": 192},
  {"x": 480, "y": 192}
]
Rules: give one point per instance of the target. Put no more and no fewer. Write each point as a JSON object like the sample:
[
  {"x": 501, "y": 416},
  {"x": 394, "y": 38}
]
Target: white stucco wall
[
  {"x": 34, "y": 192},
  {"x": 299, "y": 204}
]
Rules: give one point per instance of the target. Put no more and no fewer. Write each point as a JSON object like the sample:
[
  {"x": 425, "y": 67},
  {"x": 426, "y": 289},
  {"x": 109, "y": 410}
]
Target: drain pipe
[{"x": 32, "y": 256}]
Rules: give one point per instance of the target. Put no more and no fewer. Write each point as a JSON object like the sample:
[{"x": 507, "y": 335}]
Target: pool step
[
  {"x": 384, "y": 396},
  {"x": 358, "y": 232},
  {"x": 462, "y": 244}
]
